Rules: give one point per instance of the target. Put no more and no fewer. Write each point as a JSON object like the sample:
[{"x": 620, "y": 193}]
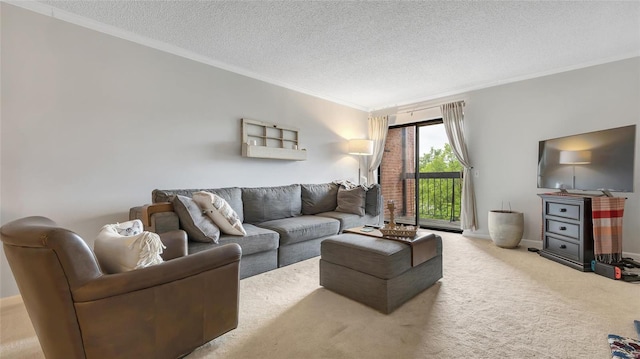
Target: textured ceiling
[{"x": 372, "y": 55}]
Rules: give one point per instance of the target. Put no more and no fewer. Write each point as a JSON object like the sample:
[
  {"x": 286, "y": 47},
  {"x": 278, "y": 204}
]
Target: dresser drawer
[
  {"x": 564, "y": 248},
  {"x": 565, "y": 229},
  {"x": 571, "y": 211}
]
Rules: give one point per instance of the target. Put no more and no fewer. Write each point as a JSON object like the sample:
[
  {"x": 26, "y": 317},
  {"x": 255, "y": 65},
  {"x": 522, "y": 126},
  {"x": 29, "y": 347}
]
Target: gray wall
[
  {"x": 91, "y": 124},
  {"x": 504, "y": 123}
]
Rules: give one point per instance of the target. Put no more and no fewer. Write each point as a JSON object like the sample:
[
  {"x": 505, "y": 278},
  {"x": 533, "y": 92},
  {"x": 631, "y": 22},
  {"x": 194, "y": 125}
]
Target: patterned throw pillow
[
  {"x": 130, "y": 228},
  {"x": 624, "y": 348},
  {"x": 220, "y": 212}
]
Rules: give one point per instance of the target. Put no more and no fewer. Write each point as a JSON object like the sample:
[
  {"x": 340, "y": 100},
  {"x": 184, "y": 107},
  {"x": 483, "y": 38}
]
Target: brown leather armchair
[{"x": 162, "y": 311}]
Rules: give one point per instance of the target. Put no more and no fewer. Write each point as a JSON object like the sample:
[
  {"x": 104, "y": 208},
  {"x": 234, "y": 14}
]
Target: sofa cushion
[
  {"x": 318, "y": 198},
  {"x": 233, "y": 196},
  {"x": 255, "y": 241},
  {"x": 268, "y": 203},
  {"x": 220, "y": 212},
  {"x": 348, "y": 220},
  {"x": 302, "y": 228},
  {"x": 351, "y": 200},
  {"x": 199, "y": 227}
]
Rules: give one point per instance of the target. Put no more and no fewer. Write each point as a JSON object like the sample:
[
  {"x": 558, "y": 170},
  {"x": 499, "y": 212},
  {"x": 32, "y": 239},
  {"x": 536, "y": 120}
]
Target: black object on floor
[
  {"x": 615, "y": 271},
  {"x": 532, "y": 249}
]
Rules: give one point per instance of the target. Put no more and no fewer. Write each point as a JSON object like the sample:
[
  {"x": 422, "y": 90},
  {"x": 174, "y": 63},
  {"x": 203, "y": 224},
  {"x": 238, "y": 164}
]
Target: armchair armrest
[
  {"x": 110, "y": 285},
  {"x": 176, "y": 243}
]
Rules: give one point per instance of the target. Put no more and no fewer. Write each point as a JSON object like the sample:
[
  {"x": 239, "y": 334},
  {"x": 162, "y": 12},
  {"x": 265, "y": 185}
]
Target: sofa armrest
[
  {"x": 150, "y": 209},
  {"x": 111, "y": 285},
  {"x": 156, "y": 217}
]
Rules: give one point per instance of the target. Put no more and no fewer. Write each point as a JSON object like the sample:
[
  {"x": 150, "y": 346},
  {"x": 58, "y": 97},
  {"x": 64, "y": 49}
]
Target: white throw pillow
[
  {"x": 220, "y": 212},
  {"x": 120, "y": 253}
]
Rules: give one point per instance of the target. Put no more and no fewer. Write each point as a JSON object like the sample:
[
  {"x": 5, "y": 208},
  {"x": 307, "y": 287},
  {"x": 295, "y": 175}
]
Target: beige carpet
[{"x": 491, "y": 303}]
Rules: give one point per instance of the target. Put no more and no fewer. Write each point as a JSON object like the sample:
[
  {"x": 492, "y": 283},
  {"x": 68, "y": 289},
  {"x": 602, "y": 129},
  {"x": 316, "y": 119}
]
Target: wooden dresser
[{"x": 567, "y": 230}]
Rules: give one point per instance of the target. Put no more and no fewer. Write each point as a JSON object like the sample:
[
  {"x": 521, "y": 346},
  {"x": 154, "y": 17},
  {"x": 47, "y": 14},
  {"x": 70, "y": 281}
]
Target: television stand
[{"x": 567, "y": 230}]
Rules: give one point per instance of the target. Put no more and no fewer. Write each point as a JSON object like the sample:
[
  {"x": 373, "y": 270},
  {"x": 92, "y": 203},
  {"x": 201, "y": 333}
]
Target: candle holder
[
  {"x": 392, "y": 217},
  {"x": 392, "y": 230}
]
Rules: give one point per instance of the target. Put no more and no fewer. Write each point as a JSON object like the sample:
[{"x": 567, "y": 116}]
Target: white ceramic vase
[{"x": 506, "y": 228}]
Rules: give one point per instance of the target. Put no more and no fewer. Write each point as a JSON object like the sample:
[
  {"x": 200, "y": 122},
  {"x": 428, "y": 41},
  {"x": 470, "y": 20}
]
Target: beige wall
[{"x": 92, "y": 123}]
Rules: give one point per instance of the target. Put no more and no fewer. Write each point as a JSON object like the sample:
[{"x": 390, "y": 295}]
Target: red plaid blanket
[{"x": 607, "y": 228}]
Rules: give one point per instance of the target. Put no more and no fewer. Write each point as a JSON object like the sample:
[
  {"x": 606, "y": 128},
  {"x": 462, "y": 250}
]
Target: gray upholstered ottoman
[{"x": 375, "y": 271}]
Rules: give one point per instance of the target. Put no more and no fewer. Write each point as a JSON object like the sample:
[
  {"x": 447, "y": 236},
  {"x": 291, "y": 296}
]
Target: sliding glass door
[
  {"x": 420, "y": 173},
  {"x": 397, "y": 179}
]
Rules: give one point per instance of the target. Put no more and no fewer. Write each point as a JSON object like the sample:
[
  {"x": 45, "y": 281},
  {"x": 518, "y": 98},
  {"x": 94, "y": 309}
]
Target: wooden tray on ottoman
[{"x": 399, "y": 232}]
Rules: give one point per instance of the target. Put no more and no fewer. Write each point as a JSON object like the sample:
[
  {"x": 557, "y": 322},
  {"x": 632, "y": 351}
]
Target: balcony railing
[
  {"x": 438, "y": 198},
  {"x": 439, "y": 195}
]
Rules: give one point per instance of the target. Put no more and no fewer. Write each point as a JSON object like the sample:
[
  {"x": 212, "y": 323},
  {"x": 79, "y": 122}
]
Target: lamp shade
[
  {"x": 361, "y": 147},
  {"x": 575, "y": 157}
]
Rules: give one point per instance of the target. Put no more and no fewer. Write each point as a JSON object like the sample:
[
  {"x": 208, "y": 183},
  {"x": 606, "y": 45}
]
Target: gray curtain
[
  {"x": 378, "y": 127},
  {"x": 453, "y": 118}
]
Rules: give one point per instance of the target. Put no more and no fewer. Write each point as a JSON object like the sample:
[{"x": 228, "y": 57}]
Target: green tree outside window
[{"x": 440, "y": 196}]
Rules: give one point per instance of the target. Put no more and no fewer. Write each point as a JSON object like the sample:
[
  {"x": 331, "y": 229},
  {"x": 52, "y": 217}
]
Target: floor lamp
[
  {"x": 360, "y": 148},
  {"x": 575, "y": 158}
]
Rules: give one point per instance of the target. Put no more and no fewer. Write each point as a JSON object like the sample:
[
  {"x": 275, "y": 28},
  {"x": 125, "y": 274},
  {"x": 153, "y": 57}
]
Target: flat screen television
[{"x": 594, "y": 161}]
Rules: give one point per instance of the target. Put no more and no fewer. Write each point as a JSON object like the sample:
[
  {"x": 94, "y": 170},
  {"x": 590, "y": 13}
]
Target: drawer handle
[
  {"x": 563, "y": 246},
  {"x": 563, "y": 228},
  {"x": 563, "y": 209}
]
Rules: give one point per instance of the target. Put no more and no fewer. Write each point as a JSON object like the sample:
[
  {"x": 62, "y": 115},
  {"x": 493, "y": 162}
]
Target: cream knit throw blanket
[{"x": 119, "y": 253}]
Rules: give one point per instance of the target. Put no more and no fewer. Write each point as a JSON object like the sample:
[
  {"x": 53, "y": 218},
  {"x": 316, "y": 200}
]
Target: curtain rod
[{"x": 427, "y": 108}]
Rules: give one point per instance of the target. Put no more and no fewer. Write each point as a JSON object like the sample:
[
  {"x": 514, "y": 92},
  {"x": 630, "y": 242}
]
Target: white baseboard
[{"x": 536, "y": 243}]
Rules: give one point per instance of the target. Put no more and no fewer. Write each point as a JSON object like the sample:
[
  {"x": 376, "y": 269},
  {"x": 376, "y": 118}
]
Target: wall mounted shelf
[{"x": 268, "y": 140}]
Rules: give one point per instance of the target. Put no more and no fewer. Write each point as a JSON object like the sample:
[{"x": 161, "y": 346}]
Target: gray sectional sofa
[{"x": 283, "y": 224}]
